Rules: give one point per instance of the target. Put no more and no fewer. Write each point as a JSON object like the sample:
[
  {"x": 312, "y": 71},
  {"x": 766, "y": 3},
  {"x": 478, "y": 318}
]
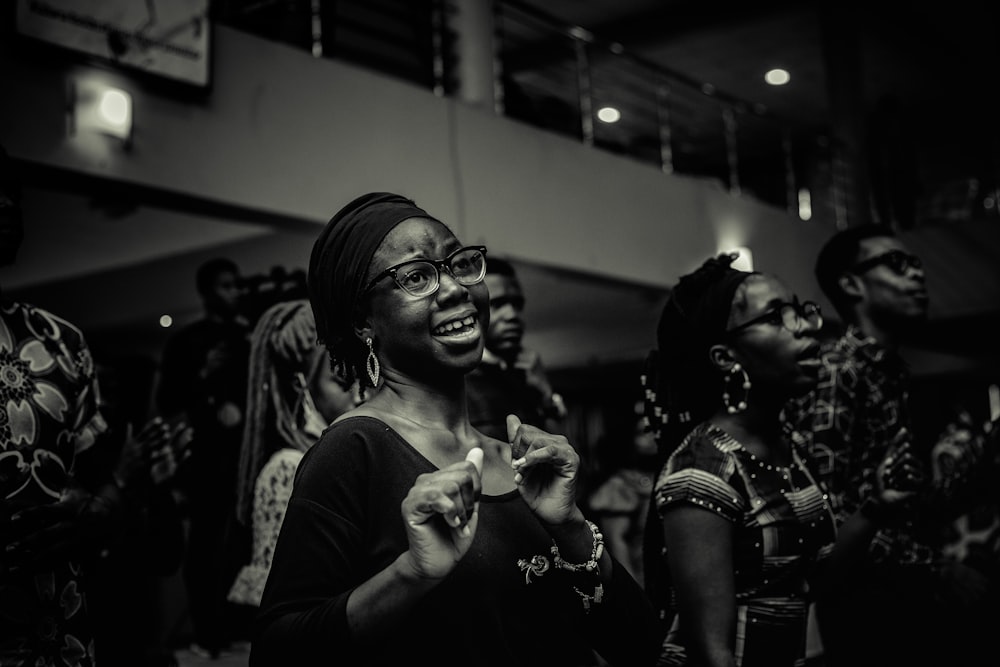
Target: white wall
[{"x": 281, "y": 131}]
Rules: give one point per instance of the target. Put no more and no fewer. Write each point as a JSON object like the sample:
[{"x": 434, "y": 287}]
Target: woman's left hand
[{"x": 546, "y": 468}]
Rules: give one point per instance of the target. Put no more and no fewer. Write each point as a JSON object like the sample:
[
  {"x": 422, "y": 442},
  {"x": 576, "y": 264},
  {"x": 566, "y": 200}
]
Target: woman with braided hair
[
  {"x": 742, "y": 533},
  {"x": 292, "y": 396}
]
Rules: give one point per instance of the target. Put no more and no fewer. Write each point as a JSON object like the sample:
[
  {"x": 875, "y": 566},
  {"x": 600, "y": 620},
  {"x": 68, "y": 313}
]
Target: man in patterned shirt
[{"x": 908, "y": 605}]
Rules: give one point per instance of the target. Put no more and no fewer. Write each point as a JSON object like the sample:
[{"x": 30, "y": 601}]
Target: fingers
[
  {"x": 450, "y": 493},
  {"x": 531, "y": 446},
  {"x": 900, "y": 469},
  {"x": 475, "y": 455}
]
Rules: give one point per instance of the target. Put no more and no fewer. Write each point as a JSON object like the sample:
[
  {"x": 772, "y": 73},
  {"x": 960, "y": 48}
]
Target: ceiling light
[
  {"x": 777, "y": 77},
  {"x": 609, "y": 114}
]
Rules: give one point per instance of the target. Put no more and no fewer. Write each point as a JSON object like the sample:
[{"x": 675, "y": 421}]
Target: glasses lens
[
  {"x": 417, "y": 278},
  {"x": 790, "y": 317},
  {"x": 812, "y": 314},
  {"x": 900, "y": 261},
  {"x": 468, "y": 266}
]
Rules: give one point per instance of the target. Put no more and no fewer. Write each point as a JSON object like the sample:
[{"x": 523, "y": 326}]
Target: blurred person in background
[
  {"x": 203, "y": 380},
  {"x": 910, "y": 604},
  {"x": 60, "y": 503},
  {"x": 511, "y": 378},
  {"x": 293, "y": 395},
  {"x": 627, "y": 464}
]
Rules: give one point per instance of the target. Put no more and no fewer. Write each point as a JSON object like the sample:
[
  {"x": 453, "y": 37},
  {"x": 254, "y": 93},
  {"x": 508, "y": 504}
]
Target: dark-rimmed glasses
[
  {"x": 422, "y": 277},
  {"x": 897, "y": 260},
  {"x": 790, "y": 315}
]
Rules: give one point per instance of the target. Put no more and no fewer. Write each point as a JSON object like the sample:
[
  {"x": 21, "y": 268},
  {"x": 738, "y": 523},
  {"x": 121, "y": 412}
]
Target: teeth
[{"x": 455, "y": 325}]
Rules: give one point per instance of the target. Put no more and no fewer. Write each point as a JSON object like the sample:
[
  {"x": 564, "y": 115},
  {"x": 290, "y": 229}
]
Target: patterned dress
[
  {"x": 783, "y": 525},
  {"x": 271, "y": 494},
  {"x": 48, "y": 415}
]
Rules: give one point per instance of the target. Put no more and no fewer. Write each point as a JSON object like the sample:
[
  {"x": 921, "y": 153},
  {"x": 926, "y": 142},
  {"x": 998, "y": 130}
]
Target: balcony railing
[{"x": 559, "y": 77}]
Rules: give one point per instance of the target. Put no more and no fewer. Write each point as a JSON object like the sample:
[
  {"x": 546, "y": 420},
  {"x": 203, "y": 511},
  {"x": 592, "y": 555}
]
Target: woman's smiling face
[{"x": 425, "y": 337}]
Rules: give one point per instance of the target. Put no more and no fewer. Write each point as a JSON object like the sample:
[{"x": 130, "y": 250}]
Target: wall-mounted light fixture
[{"x": 96, "y": 106}]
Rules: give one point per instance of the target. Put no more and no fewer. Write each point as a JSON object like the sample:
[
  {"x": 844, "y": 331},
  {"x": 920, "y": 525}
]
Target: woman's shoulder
[
  {"x": 355, "y": 441},
  {"x": 706, "y": 447}
]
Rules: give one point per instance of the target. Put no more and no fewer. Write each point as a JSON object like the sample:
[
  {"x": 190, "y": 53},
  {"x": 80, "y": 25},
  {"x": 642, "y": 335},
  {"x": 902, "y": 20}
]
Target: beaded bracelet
[{"x": 595, "y": 553}]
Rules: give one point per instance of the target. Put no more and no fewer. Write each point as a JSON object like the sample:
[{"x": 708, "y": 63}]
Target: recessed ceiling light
[
  {"x": 609, "y": 114},
  {"x": 777, "y": 77}
]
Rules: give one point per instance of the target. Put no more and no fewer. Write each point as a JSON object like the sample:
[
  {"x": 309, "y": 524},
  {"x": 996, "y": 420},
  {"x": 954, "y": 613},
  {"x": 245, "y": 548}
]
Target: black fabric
[{"x": 342, "y": 253}]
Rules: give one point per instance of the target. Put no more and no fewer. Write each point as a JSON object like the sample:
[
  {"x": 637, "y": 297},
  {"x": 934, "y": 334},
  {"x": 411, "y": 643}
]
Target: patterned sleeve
[
  {"x": 702, "y": 474},
  {"x": 74, "y": 357}
]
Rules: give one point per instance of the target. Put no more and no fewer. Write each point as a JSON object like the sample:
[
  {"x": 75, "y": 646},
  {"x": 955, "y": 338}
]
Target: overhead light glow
[
  {"x": 745, "y": 260},
  {"x": 115, "y": 106},
  {"x": 166, "y": 321},
  {"x": 609, "y": 114},
  {"x": 777, "y": 77},
  {"x": 805, "y": 204}
]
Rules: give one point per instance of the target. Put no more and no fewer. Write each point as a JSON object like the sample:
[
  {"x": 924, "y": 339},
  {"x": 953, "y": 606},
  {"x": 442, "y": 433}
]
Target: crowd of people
[{"x": 378, "y": 470}]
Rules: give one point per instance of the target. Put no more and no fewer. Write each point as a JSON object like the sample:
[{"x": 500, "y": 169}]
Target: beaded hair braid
[{"x": 680, "y": 386}]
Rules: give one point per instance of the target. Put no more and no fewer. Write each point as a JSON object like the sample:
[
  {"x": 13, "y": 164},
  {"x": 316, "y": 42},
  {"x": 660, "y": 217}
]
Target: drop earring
[{"x": 371, "y": 363}]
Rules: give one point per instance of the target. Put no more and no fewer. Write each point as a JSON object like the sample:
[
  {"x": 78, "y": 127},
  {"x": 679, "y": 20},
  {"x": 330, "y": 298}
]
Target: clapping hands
[{"x": 157, "y": 450}]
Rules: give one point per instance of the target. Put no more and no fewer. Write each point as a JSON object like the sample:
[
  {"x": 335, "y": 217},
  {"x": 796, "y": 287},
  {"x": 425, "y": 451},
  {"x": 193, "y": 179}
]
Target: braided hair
[{"x": 681, "y": 386}]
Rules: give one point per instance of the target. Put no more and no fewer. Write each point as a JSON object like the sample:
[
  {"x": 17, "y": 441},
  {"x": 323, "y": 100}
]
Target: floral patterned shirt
[{"x": 48, "y": 415}]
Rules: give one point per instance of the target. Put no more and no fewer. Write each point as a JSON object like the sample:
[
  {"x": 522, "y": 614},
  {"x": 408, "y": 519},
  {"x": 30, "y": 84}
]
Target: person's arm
[
  {"x": 319, "y": 592},
  {"x": 701, "y": 567},
  {"x": 620, "y": 616}
]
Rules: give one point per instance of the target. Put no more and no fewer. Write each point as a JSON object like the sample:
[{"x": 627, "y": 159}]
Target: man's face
[
  {"x": 11, "y": 225},
  {"x": 893, "y": 293},
  {"x": 506, "y": 307},
  {"x": 226, "y": 293}
]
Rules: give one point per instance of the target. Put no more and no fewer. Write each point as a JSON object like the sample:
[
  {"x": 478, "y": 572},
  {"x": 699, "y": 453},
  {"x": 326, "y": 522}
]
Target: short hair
[
  {"x": 500, "y": 267},
  {"x": 838, "y": 255},
  {"x": 207, "y": 273}
]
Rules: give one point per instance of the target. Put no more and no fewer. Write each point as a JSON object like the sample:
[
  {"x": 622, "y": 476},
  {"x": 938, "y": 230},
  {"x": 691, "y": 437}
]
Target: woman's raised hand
[
  {"x": 441, "y": 513},
  {"x": 546, "y": 468}
]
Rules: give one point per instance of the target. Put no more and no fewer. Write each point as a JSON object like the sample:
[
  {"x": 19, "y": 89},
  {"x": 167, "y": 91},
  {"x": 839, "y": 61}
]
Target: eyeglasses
[
  {"x": 897, "y": 260},
  {"x": 789, "y": 315},
  {"x": 422, "y": 277}
]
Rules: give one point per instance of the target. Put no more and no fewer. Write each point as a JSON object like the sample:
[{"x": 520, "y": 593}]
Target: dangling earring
[
  {"x": 371, "y": 364},
  {"x": 740, "y": 405}
]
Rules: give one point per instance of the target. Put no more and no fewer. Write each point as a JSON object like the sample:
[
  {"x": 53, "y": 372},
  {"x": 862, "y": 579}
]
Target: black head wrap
[
  {"x": 341, "y": 256},
  {"x": 681, "y": 386},
  {"x": 703, "y": 300}
]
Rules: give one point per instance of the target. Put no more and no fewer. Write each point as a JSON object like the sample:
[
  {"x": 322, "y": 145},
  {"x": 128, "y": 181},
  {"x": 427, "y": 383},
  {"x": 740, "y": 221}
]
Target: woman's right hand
[{"x": 441, "y": 514}]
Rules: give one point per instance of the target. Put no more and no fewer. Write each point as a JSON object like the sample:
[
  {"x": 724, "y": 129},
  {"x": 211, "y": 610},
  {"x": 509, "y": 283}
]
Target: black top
[{"x": 343, "y": 525}]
